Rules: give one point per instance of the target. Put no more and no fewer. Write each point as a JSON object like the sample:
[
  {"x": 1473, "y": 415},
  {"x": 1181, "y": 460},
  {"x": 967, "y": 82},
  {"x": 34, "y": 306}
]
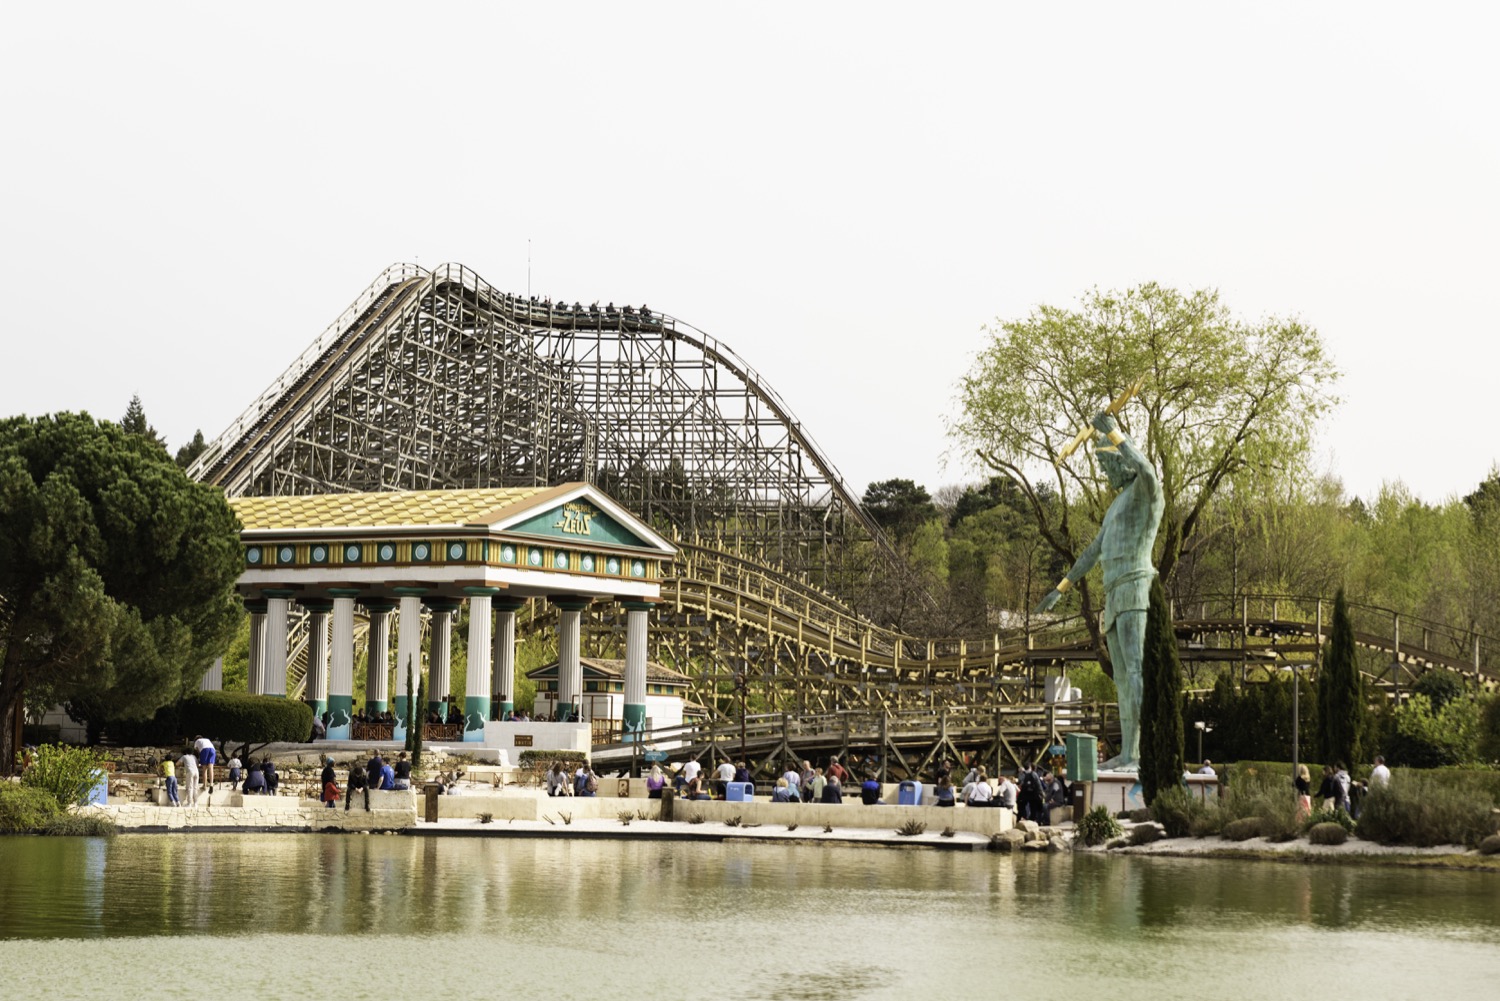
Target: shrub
[
  {"x": 1097, "y": 827},
  {"x": 1145, "y": 834},
  {"x": 1322, "y": 816},
  {"x": 1327, "y": 834},
  {"x": 1275, "y": 810},
  {"x": 65, "y": 773},
  {"x": 533, "y": 758},
  {"x": 911, "y": 828},
  {"x": 1490, "y": 845},
  {"x": 1422, "y": 809},
  {"x": 1175, "y": 809},
  {"x": 246, "y": 718},
  {"x": 1242, "y": 829},
  {"x": 24, "y": 808},
  {"x": 80, "y": 826}
]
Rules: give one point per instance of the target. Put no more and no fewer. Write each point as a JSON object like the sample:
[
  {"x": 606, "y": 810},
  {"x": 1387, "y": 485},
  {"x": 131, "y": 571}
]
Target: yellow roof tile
[{"x": 400, "y": 509}]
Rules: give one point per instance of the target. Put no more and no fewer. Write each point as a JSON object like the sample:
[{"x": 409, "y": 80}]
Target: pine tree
[
  {"x": 189, "y": 452},
  {"x": 1161, "y": 701},
  {"x": 1341, "y": 697},
  {"x": 134, "y": 422}
]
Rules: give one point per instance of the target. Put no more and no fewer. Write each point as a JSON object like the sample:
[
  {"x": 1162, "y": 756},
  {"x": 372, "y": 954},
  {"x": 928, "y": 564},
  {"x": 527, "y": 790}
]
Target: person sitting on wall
[
  {"x": 833, "y": 790},
  {"x": 943, "y": 790},
  {"x": 869, "y": 792},
  {"x": 455, "y": 715},
  {"x": 979, "y": 792},
  {"x": 1006, "y": 793},
  {"x": 359, "y": 781},
  {"x": 655, "y": 782},
  {"x": 402, "y": 772},
  {"x": 782, "y": 793},
  {"x": 372, "y": 770}
]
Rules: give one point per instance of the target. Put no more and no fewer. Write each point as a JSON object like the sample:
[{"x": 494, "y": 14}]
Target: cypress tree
[
  {"x": 1341, "y": 697},
  {"x": 410, "y": 708},
  {"x": 415, "y": 733},
  {"x": 1161, "y": 701}
]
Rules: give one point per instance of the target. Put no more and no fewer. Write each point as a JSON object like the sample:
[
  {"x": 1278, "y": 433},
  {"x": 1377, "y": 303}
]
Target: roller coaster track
[{"x": 434, "y": 379}]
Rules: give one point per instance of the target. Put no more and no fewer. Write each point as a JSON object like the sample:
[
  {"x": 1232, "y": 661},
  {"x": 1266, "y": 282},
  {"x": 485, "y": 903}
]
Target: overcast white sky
[{"x": 844, "y": 194}]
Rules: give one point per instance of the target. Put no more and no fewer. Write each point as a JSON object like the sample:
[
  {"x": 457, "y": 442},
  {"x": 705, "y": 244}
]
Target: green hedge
[{"x": 249, "y": 719}]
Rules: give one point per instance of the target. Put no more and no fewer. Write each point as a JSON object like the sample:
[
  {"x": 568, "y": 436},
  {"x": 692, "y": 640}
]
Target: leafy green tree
[
  {"x": 1429, "y": 735},
  {"x": 67, "y": 774},
  {"x": 1341, "y": 697},
  {"x": 1161, "y": 702},
  {"x": 116, "y": 571},
  {"x": 1220, "y": 397}
]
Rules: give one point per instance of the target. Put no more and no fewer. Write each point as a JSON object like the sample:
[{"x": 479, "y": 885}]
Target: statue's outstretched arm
[{"x": 1076, "y": 572}]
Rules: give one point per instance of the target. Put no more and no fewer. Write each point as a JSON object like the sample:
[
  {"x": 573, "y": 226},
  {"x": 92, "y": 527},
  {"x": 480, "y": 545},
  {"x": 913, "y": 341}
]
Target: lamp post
[{"x": 1202, "y": 728}]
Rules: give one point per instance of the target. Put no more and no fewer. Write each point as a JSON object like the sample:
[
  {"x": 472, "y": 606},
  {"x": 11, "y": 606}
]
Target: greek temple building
[{"x": 407, "y": 553}]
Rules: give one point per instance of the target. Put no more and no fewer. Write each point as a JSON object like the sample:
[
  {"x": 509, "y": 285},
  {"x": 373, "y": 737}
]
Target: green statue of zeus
[{"x": 1123, "y": 546}]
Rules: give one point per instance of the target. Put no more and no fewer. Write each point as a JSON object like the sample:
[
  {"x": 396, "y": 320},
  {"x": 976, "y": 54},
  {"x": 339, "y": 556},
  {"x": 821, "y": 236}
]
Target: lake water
[{"x": 229, "y": 917}]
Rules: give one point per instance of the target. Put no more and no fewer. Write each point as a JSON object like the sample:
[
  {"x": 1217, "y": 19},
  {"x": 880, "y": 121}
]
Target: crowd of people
[{"x": 581, "y": 780}]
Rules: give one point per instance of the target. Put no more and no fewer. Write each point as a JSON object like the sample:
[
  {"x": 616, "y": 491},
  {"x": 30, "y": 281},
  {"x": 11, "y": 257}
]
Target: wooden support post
[{"x": 885, "y": 743}]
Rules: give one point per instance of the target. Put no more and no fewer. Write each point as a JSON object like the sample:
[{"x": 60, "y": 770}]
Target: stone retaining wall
[{"x": 389, "y": 811}]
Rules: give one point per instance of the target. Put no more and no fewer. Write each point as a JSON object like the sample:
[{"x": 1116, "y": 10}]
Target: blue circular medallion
[
  {"x": 455, "y": 550},
  {"x": 286, "y": 555},
  {"x": 252, "y": 555},
  {"x": 351, "y": 553}
]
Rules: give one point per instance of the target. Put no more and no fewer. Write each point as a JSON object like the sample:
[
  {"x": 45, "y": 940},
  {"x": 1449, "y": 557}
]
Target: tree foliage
[
  {"x": 1341, "y": 697},
  {"x": 1221, "y": 399},
  {"x": 1161, "y": 701},
  {"x": 116, "y": 572},
  {"x": 135, "y": 422}
]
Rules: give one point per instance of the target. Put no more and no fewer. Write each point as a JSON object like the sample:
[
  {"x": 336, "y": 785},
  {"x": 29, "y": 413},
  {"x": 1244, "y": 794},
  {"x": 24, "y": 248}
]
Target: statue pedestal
[{"x": 1122, "y": 790}]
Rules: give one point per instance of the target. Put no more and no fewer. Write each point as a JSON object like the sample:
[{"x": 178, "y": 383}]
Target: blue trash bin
[
  {"x": 909, "y": 794},
  {"x": 740, "y": 792}
]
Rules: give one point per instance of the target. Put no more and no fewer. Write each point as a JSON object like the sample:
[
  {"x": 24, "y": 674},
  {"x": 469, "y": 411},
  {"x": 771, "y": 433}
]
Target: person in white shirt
[
  {"x": 1208, "y": 768},
  {"x": 1380, "y": 775},
  {"x": 979, "y": 792},
  {"x": 1006, "y": 794},
  {"x": 690, "y": 770},
  {"x": 723, "y": 775},
  {"x": 188, "y": 766}
]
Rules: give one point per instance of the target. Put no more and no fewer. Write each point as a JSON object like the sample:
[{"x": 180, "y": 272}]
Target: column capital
[
  {"x": 285, "y": 593},
  {"x": 317, "y": 606},
  {"x": 378, "y": 606},
  {"x": 255, "y": 606},
  {"x": 411, "y": 592},
  {"x": 570, "y": 602},
  {"x": 636, "y": 605},
  {"x": 345, "y": 592},
  {"x": 442, "y": 603},
  {"x": 481, "y": 592},
  {"x": 508, "y": 604}
]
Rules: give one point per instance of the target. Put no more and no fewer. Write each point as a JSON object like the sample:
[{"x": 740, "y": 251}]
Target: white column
[
  {"x": 213, "y": 678},
  {"x": 569, "y": 669},
  {"x": 317, "y": 655},
  {"x": 440, "y": 657},
  {"x": 341, "y": 669},
  {"x": 634, "y": 716},
  {"x": 378, "y": 656},
  {"x": 408, "y": 647},
  {"x": 256, "y": 667},
  {"x": 274, "y": 679},
  {"x": 504, "y": 687},
  {"x": 477, "y": 680}
]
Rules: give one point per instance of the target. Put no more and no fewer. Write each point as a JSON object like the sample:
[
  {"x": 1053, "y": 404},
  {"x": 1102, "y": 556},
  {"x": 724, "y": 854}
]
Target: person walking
[
  {"x": 1303, "y": 781},
  {"x": 329, "y": 783},
  {"x": 1380, "y": 775}
]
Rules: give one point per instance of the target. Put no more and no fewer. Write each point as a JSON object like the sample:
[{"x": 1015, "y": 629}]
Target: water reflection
[{"x": 849, "y": 922}]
